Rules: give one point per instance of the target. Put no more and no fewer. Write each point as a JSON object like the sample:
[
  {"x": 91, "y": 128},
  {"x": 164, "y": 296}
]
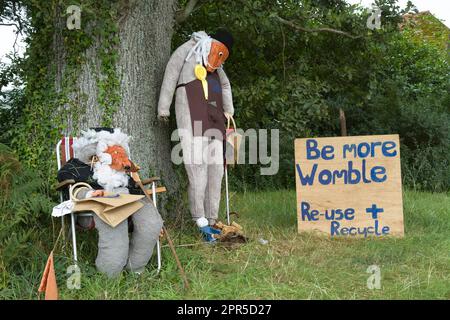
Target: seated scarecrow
[{"x": 102, "y": 160}]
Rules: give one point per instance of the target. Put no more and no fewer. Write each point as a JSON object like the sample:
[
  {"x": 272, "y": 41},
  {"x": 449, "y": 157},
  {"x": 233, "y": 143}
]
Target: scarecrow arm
[
  {"x": 83, "y": 193},
  {"x": 137, "y": 179},
  {"x": 226, "y": 92},
  {"x": 135, "y": 175},
  {"x": 150, "y": 180},
  {"x": 171, "y": 76},
  {"x": 64, "y": 184}
]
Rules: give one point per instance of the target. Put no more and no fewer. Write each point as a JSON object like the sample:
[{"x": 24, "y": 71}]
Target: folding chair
[{"x": 64, "y": 152}]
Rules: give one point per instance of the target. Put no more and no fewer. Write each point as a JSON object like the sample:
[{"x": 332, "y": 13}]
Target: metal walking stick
[
  {"x": 227, "y": 195},
  {"x": 235, "y": 144}
]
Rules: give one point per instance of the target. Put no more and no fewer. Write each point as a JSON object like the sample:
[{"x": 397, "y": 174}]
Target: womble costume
[
  {"x": 202, "y": 104},
  {"x": 115, "y": 250}
]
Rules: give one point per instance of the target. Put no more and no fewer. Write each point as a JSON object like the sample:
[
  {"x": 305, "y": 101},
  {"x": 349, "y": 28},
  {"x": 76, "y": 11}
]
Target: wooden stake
[{"x": 343, "y": 122}]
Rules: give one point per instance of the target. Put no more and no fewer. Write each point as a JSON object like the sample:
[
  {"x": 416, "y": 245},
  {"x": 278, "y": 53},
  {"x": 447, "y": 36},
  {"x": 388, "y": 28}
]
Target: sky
[
  {"x": 7, "y": 38},
  {"x": 439, "y": 8}
]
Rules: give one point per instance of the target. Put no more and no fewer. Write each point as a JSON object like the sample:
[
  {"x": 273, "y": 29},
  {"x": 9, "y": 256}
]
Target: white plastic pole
[
  {"x": 58, "y": 160},
  {"x": 158, "y": 246},
  {"x": 227, "y": 195},
  {"x": 74, "y": 237}
]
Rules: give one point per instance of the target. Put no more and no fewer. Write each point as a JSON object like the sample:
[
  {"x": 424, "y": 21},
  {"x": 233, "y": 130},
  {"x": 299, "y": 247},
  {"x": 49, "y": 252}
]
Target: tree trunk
[
  {"x": 145, "y": 32},
  {"x": 145, "y": 46}
]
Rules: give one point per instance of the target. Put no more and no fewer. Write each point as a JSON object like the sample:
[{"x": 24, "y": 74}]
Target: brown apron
[{"x": 209, "y": 112}]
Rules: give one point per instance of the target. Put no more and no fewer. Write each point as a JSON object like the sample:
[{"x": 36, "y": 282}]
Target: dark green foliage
[
  {"x": 25, "y": 209},
  {"x": 410, "y": 95},
  {"x": 424, "y": 131}
]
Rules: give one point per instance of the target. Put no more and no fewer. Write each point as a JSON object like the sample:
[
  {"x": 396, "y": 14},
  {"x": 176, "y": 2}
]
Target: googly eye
[{"x": 220, "y": 53}]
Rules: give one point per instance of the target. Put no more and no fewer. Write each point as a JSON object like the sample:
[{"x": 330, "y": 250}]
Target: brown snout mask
[
  {"x": 217, "y": 55},
  {"x": 120, "y": 160}
]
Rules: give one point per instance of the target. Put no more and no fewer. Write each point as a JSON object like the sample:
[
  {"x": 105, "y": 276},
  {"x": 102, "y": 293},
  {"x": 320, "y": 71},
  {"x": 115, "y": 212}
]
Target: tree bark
[{"x": 145, "y": 46}]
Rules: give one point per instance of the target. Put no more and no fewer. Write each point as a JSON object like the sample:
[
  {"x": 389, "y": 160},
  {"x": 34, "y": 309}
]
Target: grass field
[{"x": 290, "y": 266}]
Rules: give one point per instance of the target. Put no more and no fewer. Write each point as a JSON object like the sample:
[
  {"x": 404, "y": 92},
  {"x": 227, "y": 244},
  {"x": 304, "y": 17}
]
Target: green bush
[
  {"x": 424, "y": 131},
  {"x": 410, "y": 95},
  {"x": 25, "y": 208},
  {"x": 296, "y": 108}
]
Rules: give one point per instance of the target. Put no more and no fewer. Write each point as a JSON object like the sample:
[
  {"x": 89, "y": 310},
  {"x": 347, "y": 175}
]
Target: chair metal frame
[{"x": 62, "y": 158}]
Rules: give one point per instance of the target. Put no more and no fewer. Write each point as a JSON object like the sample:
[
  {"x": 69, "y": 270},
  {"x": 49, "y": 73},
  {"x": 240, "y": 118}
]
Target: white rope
[{"x": 201, "y": 48}]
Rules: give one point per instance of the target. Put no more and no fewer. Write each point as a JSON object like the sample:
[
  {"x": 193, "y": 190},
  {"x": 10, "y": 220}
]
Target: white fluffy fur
[
  {"x": 105, "y": 158},
  {"x": 109, "y": 178},
  {"x": 95, "y": 143}
]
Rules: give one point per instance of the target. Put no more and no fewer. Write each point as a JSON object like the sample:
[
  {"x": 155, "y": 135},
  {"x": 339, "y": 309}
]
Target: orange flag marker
[{"x": 48, "y": 281}]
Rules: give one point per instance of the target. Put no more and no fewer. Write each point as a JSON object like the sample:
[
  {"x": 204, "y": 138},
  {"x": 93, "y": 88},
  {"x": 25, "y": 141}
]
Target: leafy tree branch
[
  {"x": 183, "y": 14},
  {"x": 299, "y": 28}
]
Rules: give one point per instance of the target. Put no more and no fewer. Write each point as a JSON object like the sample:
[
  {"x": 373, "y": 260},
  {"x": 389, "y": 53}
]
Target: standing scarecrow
[{"x": 202, "y": 105}]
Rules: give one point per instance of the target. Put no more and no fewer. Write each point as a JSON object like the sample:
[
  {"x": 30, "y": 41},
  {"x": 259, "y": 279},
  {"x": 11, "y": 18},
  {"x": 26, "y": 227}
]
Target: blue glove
[{"x": 208, "y": 233}]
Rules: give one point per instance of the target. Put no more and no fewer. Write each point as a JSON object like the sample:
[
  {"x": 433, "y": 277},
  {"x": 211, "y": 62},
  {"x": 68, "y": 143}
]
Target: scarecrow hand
[
  {"x": 98, "y": 193},
  {"x": 227, "y": 115},
  {"x": 163, "y": 118}
]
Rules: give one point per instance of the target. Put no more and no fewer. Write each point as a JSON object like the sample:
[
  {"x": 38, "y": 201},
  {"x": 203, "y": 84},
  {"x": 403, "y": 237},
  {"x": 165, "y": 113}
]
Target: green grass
[{"x": 290, "y": 266}]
